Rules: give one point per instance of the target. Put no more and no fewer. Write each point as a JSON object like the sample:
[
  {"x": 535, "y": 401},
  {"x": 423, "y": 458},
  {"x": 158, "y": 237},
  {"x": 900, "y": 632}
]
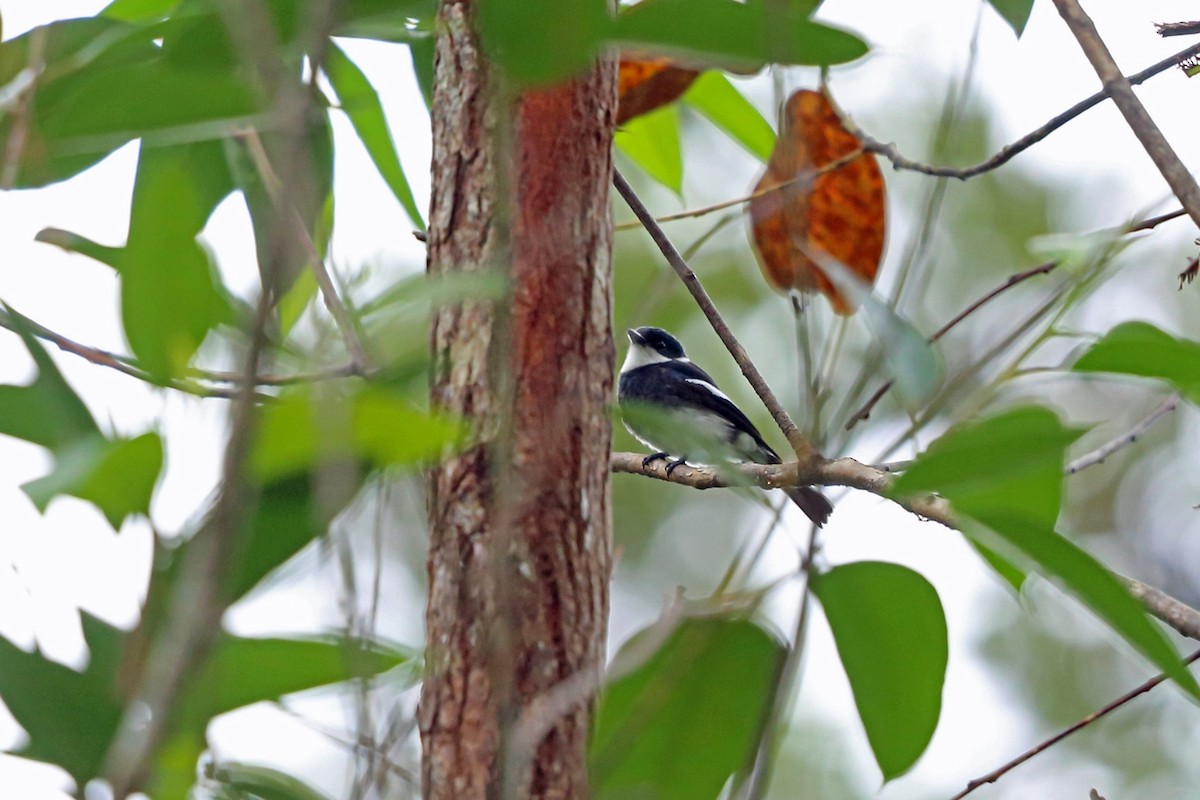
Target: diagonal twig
[
  {"x": 999, "y": 772},
  {"x": 1105, "y": 450},
  {"x": 1006, "y": 153},
  {"x": 1011, "y": 281},
  {"x": 1176, "y": 173}
]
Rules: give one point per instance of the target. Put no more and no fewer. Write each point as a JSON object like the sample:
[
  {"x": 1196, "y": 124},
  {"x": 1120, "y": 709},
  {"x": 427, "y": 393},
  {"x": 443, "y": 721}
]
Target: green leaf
[
  {"x": 1006, "y": 473},
  {"x": 116, "y": 475},
  {"x": 74, "y": 122},
  {"x": 361, "y": 104},
  {"x": 244, "y": 670},
  {"x": 47, "y": 411},
  {"x": 75, "y": 243},
  {"x": 1011, "y": 463},
  {"x": 237, "y": 781},
  {"x": 286, "y": 518},
  {"x": 727, "y": 33},
  {"x": 71, "y": 717},
  {"x": 1090, "y": 582},
  {"x": 385, "y": 20},
  {"x": 65, "y": 50},
  {"x": 912, "y": 364},
  {"x": 421, "y": 51},
  {"x": 1138, "y": 348},
  {"x": 169, "y": 300},
  {"x": 890, "y": 631},
  {"x": 138, "y": 10},
  {"x": 719, "y": 100},
  {"x": 373, "y": 423},
  {"x": 540, "y": 41},
  {"x": 679, "y": 725},
  {"x": 1015, "y": 13},
  {"x": 652, "y": 142}
]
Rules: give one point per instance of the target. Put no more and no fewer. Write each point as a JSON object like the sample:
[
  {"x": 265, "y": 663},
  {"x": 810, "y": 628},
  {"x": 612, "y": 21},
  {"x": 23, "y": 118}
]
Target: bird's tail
[{"x": 814, "y": 504}]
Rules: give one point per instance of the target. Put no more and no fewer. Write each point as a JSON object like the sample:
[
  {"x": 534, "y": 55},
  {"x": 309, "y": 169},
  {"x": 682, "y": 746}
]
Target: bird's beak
[{"x": 635, "y": 338}]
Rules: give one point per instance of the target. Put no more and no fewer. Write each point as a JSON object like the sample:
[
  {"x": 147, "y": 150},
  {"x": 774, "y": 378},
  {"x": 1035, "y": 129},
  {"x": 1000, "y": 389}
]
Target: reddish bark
[{"x": 519, "y": 525}]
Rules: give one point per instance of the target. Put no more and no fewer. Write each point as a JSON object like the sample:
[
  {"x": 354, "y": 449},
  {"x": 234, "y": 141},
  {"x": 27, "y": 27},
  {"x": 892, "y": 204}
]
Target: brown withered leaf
[
  {"x": 649, "y": 83},
  {"x": 836, "y": 215}
]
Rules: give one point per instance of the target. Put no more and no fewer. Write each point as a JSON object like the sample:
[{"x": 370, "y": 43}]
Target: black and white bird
[{"x": 675, "y": 408}]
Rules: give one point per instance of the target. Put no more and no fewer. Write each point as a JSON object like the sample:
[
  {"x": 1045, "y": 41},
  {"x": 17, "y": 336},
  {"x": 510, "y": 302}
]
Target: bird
[{"x": 675, "y": 408}]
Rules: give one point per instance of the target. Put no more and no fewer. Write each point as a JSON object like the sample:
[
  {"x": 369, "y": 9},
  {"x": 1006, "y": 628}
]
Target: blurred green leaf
[
  {"x": 233, "y": 780},
  {"x": 361, "y": 104},
  {"x": 138, "y": 10},
  {"x": 373, "y": 423},
  {"x": 890, "y": 631},
  {"x": 297, "y": 300},
  {"x": 286, "y": 518},
  {"x": 728, "y": 33},
  {"x": 169, "y": 300},
  {"x": 71, "y": 717},
  {"x": 74, "y": 121},
  {"x": 716, "y": 98},
  {"x": 1138, "y": 348},
  {"x": 1015, "y": 13},
  {"x": 75, "y": 243},
  {"x": 1006, "y": 473},
  {"x": 911, "y": 361},
  {"x": 242, "y": 671},
  {"x": 652, "y": 142},
  {"x": 385, "y": 20},
  {"x": 1090, "y": 582},
  {"x": 421, "y": 51},
  {"x": 1010, "y": 573},
  {"x": 116, "y": 475},
  {"x": 47, "y": 411},
  {"x": 251, "y": 670},
  {"x": 539, "y": 41},
  {"x": 65, "y": 52},
  {"x": 680, "y": 724},
  {"x": 1011, "y": 463}
]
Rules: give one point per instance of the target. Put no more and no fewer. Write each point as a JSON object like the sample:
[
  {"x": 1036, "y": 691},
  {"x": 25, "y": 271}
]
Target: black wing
[{"x": 690, "y": 385}]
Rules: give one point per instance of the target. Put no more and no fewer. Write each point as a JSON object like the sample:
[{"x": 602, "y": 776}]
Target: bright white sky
[{"x": 68, "y": 559}]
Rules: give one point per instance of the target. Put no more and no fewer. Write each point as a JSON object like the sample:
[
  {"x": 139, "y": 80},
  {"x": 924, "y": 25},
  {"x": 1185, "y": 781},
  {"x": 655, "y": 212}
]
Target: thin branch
[
  {"x": 1177, "y": 28},
  {"x": 818, "y": 472},
  {"x": 802, "y": 447},
  {"x": 1105, "y": 450},
  {"x": 127, "y": 365},
  {"x": 1178, "y": 615},
  {"x": 856, "y": 475},
  {"x": 1012, "y": 280},
  {"x": 1176, "y": 173},
  {"x": 998, "y": 773},
  {"x": 1006, "y": 153},
  {"x": 800, "y": 181}
]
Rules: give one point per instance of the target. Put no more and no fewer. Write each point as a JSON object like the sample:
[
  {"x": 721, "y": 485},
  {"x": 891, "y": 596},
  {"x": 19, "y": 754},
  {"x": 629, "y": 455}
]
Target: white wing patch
[{"x": 714, "y": 390}]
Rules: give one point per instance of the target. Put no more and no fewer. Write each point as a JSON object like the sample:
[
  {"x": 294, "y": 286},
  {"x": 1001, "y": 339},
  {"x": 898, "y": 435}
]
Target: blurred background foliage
[{"x": 361, "y": 530}]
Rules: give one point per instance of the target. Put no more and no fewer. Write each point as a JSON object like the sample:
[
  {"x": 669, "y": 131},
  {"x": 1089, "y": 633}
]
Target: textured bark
[{"x": 519, "y": 525}]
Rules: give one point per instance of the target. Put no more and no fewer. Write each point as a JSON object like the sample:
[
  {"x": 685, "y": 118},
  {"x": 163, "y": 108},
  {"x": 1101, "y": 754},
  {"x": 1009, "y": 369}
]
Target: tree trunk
[{"x": 520, "y": 533}]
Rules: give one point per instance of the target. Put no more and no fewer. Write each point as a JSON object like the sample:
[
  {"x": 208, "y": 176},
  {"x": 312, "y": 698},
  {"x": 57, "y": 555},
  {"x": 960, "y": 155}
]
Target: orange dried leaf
[
  {"x": 649, "y": 83},
  {"x": 798, "y": 220}
]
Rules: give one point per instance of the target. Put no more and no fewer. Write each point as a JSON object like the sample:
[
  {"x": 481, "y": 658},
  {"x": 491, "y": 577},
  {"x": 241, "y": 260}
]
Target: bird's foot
[
  {"x": 650, "y": 459},
  {"x": 679, "y": 462}
]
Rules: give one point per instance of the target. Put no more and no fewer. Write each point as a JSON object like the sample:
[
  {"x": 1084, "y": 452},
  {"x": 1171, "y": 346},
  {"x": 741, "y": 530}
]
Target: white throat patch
[{"x": 641, "y": 356}]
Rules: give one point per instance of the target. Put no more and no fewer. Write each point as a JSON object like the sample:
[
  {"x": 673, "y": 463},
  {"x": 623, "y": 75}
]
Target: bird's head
[{"x": 649, "y": 345}]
